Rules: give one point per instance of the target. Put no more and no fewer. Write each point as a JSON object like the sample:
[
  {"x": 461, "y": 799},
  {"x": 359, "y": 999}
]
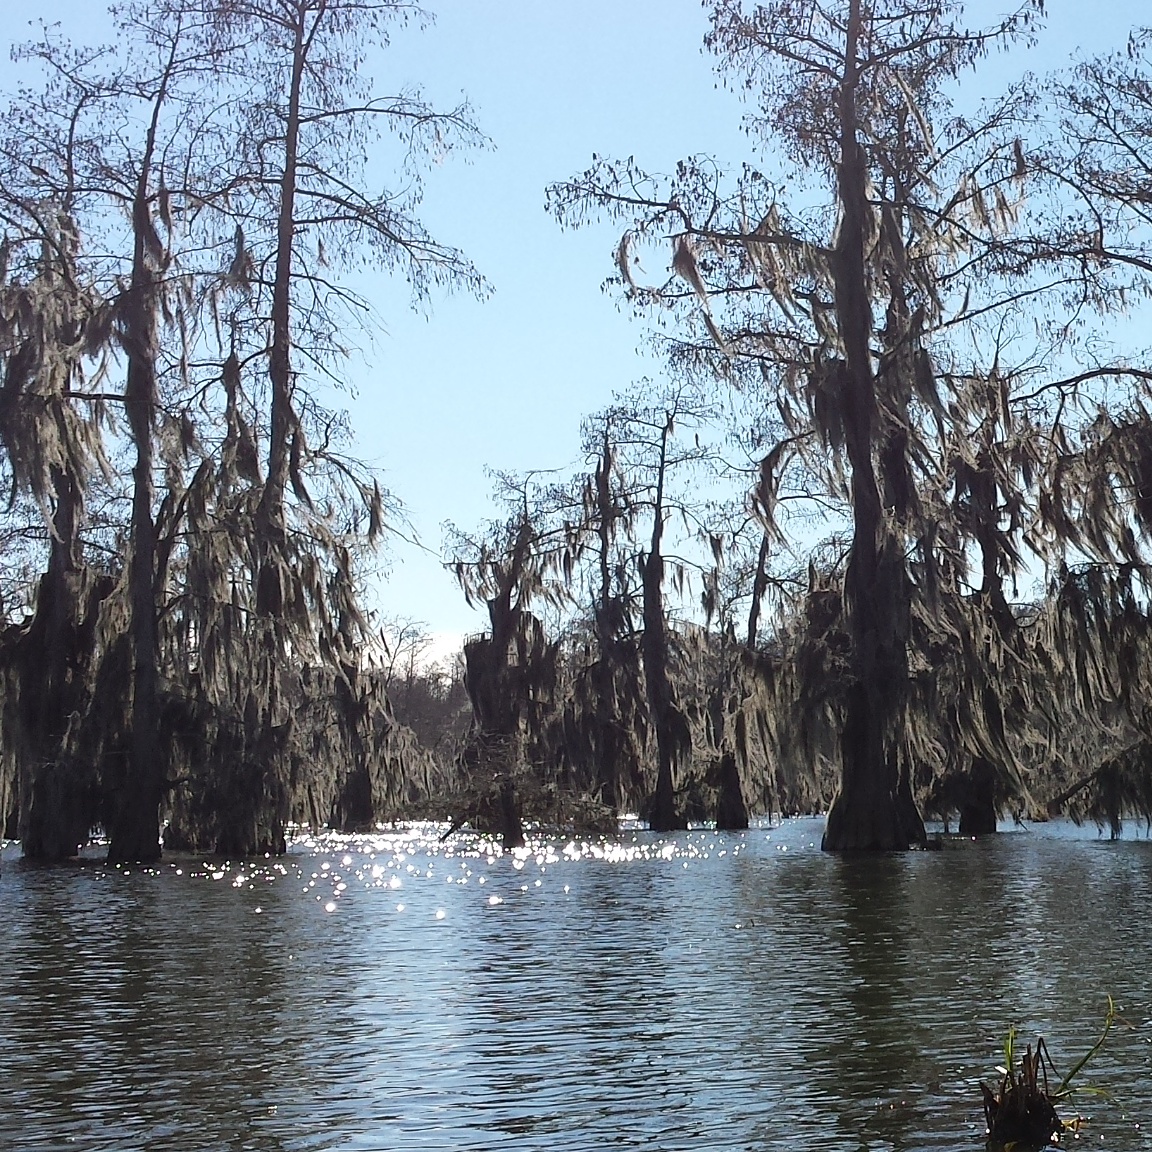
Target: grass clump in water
[{"x": 1022, "y": 1114}]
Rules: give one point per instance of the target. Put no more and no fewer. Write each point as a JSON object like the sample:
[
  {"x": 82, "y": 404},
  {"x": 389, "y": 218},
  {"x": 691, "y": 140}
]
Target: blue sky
[{"x": 504, "y": 383}]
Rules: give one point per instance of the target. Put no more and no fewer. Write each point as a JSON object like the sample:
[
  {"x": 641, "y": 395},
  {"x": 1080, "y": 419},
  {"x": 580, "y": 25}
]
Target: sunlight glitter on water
[
  {"x": 422, "y": 842},
  {"x": 330, "y": 867},
  {"x": 702, "y": 990}
]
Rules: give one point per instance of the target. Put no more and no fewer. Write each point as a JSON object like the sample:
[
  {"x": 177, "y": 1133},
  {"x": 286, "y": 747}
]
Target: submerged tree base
[
  {"x": 874, "y": 810},
  {"x": 662, "y": 813},
  {"x": 731, "y": 811},
  {"x": 887, "y": 823},
  {"x": 503, "y": 804},
  {"x": 978, "y": 809}
]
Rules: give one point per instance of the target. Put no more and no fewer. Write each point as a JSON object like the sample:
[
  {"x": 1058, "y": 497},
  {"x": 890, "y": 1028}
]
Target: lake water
[{"x": 696, "y": 991}]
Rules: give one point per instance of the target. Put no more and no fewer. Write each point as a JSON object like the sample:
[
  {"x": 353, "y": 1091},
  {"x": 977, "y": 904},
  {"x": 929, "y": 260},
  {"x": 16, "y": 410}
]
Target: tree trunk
[
  {"x": 978, "y": 811},
  {"x": 731, "y": 811},
  {"x": 283, "y": 416},
  {"x": 511, "y": 826},
  {"x": 869, "y": 813},
  {"x": 53, "y": 820},
  {"x": 136, "y": 822},
  {"x": 496, "y": 690},
  {"x": 759, "y": 587},
  {"x": 663, "y": 815},
  {"x": 136, "y": 832},
  {"x": 608, "y": 741},
  {"x": 665, "y": 716},
  {"x": 608, "y": 736}
]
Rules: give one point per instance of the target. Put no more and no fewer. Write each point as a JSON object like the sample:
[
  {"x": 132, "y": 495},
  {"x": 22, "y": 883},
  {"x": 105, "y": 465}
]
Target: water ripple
[{"x": 702, "y": 991}]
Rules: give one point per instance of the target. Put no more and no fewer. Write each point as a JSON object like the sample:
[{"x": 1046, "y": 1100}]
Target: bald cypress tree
[
  {"x": 218, "y": 151},
  {"x": 831, "y": 284}
]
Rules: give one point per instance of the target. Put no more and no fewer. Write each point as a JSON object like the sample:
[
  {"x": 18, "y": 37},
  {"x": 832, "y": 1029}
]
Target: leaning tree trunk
[{"x": 874, "y": 809}]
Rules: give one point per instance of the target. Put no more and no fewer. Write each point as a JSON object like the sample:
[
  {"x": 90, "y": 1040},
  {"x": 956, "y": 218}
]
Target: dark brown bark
[
  {"x": 135, "y": 831},
  {"x": 759, "y": 587},
  {"x": 731, "y": 811},
  {"x": 978, "y": 810},
  {"x": 511, "y": 825},
  {"x": 283, "y": 417},
  {"x": 55, "y": 814},
  {"x": 273, "y": 561},
  {"x": 667, "y": 721},
  {"x": 608, "y": 734},
  {"x": 868, "y": 812}
]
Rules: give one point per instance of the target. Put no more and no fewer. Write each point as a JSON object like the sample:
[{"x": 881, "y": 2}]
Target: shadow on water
[
  {"x": 150, "y": 1011},
  {"x": 913, "y": 968},
  {"x": 719, "y": 992},
  {"x": 575, "y": 1015},
  {"x": 880, "y": 1062}
]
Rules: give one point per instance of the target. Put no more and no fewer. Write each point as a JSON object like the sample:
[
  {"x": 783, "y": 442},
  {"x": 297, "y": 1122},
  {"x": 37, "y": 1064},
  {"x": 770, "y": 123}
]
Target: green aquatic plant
[{"x": 1022, "y": 1114}]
